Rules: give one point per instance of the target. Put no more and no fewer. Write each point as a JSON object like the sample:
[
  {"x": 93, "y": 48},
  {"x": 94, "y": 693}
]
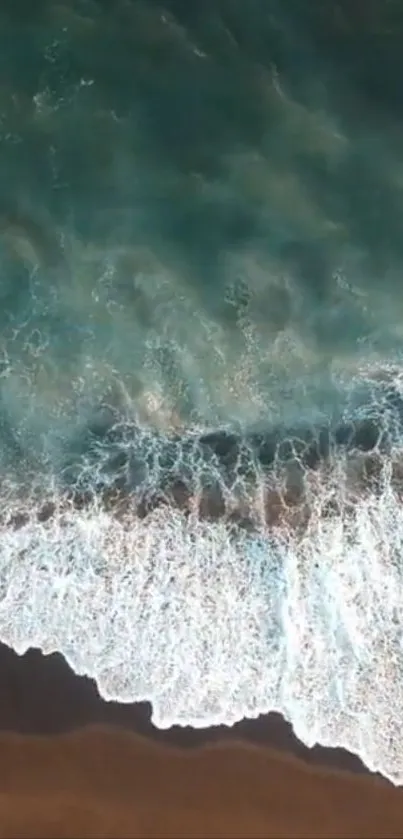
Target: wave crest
[{"x": 212, "y": 625}]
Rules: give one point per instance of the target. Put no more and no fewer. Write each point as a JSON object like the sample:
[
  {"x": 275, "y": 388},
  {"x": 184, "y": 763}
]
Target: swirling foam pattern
[
  {"x": 212, "y": 622},
  {"x": 201, "y": 205}
]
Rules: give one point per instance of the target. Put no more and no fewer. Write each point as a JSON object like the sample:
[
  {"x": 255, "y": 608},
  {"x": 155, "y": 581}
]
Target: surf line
[{"x": 253, "y": 481}]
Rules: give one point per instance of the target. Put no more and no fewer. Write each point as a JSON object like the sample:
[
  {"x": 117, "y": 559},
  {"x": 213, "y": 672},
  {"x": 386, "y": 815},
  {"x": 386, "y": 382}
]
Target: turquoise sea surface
[{"x": 201, "y": 303}]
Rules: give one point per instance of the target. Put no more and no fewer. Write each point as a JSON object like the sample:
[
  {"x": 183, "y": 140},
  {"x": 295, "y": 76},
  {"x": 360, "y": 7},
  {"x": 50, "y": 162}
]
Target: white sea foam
[{"x": 211, "y": 629}]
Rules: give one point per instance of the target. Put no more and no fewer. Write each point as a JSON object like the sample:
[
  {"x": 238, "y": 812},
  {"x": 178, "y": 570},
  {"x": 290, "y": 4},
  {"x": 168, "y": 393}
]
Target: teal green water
[{"x": 200, "y": 212}]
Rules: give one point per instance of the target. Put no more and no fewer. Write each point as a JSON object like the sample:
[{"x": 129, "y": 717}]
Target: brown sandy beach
[
  {"x": 200, "y": 220},
  {"x": 72, "y": 765}
]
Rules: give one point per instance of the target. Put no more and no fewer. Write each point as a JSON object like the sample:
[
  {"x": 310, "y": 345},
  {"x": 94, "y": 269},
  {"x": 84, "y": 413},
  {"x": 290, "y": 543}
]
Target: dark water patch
[{"x": 114, "y": 459}]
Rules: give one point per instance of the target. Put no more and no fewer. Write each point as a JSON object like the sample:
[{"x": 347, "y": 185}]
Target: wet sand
[{"x": 72, "y": 765}]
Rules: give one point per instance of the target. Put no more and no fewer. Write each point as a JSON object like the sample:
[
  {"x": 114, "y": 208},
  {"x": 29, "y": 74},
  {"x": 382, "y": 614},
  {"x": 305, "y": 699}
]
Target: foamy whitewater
[
  {"x": 200, "y": 221},
  {"x": 211, "y": 627}
]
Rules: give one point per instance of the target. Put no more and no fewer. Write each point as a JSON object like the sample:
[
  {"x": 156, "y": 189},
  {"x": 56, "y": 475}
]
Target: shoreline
[
  {"x": 58, "y": 701},
  {"x": 73, "y": 766}
]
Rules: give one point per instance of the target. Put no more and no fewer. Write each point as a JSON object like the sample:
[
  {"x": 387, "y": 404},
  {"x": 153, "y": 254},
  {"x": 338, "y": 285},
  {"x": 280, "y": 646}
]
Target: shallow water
[{"x": 199, "y": 230}]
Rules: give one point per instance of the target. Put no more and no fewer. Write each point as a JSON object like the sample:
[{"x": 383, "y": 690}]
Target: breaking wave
[
  {"x": 200, "y": 223},
  {"x": 275, "y": 600}
]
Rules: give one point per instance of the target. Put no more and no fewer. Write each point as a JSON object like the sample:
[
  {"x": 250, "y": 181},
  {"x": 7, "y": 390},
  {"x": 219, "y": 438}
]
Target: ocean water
[{"x": 201, "y": 357}]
